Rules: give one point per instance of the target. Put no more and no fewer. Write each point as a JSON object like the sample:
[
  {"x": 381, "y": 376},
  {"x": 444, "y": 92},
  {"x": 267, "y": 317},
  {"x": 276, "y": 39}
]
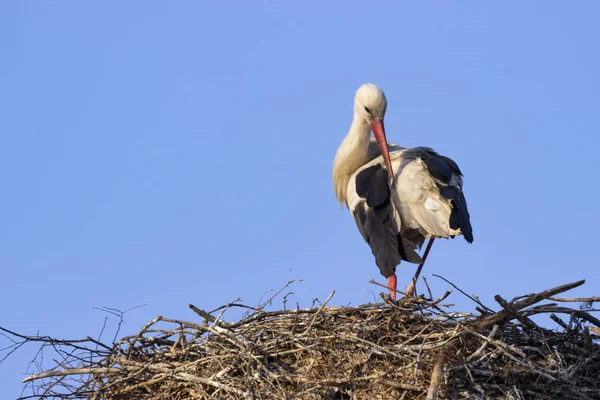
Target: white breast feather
[
  {"x": 432, "y": 205},
  {"x": 417, "y": 197}
]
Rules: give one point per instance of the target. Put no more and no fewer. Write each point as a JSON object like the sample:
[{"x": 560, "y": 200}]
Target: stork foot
[
  {"x": 392, "y": 282},
  {"x": 411, "y": 291}
]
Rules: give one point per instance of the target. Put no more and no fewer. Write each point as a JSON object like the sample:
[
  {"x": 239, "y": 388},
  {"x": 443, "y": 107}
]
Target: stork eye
[{"x": 367, "y": 110}]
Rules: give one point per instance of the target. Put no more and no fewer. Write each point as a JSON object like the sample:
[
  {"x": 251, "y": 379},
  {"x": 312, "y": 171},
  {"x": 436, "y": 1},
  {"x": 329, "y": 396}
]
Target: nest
[{"x": 412, "y": 349}]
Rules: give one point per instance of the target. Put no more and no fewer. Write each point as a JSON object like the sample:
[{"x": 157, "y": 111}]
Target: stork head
[{"x": 370, "y": 104}]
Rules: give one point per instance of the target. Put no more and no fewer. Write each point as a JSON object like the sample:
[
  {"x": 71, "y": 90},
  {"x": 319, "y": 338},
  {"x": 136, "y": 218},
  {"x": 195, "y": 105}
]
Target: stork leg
[
  {"x": 392, "y": 286},
  {"x": 412, "y": 288}
]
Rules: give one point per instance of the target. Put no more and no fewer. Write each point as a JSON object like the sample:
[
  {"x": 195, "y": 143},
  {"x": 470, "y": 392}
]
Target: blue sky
[{"x": 166, "y": 154}]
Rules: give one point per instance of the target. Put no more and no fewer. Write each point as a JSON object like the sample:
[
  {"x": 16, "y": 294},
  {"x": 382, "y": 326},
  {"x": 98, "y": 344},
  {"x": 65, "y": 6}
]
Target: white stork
[{"x": 424, "y": 199}]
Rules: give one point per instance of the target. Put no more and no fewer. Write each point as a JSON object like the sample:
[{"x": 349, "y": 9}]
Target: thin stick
[
  {"x": 207, "y": 316},
  {"x": 261, "y": 307},
  {"x": 428, "y": 288},
  {"x": 563, "y": 310},
  {"x": 575, "y": 299},
  {"x": 320, "y": 309},
  {"x": 374, "y": 282},
  {"x": 222, "y": 386},
  {"x": 463, "y": 292},
  {"x": 529, "y": 301},
  {"x": 71, "y": 371}
]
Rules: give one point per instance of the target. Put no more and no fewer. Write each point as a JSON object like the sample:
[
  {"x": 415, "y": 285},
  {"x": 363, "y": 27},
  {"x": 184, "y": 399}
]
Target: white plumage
[{"x": 423, "y": 200}]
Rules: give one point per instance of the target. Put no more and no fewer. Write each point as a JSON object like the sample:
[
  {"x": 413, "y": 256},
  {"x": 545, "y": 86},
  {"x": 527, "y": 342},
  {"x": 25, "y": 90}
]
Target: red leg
[
  {"x": 412, "y": 288},
  {"x": 392, "y": 286}
]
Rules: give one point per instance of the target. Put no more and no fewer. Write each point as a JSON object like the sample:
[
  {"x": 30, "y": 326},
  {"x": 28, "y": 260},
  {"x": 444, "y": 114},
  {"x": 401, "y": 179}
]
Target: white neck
[{"x": 352, "y": 154}]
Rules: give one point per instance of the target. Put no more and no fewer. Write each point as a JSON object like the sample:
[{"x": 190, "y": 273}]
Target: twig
[
  {"x": 427, "y": 286},
  {"x": 535, "y": 298},
  {"x": 575, "y": 299},
  {"x": 71, "y": 371},
  {"x": 261, "y": 307},
  {"x": 372, "y": 281},
  {"x": 320, "y": 309},
  {"x": 464, "y": 293},
  {"x": 523, "y": 319},
  {"x": 483, "y": 346},
  {"x": 208, "y": 317},
  {"x": 559, "y": 321},
  {"x": 564, "y": 310},
  {"x": 194, "y": 378}
]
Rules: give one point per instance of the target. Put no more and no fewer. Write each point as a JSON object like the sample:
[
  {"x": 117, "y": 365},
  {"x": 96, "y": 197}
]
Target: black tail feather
[
  {"x": 407, "y": 250},
  {"x": 460, "y": 216}
]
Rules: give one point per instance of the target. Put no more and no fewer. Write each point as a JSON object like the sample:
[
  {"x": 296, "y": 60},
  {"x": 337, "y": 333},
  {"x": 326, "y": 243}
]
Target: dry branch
[{"x": 412, "y": 349}]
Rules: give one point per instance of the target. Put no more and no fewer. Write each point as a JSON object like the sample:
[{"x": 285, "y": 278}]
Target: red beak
[{"x": 379, "y": 132}]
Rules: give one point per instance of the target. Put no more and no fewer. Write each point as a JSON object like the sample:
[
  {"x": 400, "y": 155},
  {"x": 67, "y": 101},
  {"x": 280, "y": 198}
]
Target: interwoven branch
[{"x": 412, "y": 349}]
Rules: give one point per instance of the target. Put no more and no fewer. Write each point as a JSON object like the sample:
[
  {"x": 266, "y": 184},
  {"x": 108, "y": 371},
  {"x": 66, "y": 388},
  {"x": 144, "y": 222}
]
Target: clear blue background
[{"x": 172, "y": 153}]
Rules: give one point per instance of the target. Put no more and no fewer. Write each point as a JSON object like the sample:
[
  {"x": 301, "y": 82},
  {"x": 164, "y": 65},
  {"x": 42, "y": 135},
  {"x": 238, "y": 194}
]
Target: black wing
[
  {"x": 374, "y": 218},
  {"x": 448, "y": 176}
]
